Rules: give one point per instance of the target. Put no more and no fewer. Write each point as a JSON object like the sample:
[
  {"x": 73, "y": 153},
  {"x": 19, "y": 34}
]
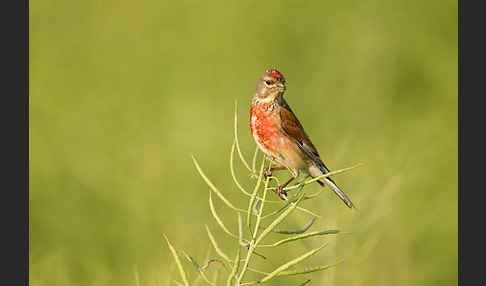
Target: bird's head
[{"x": 270, "y": 86}]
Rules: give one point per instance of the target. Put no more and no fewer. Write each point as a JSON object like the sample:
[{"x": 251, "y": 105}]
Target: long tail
[{"x": 316, "y": 171}]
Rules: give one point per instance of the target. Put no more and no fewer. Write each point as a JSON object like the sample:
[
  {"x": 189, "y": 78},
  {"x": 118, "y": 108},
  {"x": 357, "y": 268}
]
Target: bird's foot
[
  {"x": 268, "y": 173},
  {"x": 281, "y": 192}
]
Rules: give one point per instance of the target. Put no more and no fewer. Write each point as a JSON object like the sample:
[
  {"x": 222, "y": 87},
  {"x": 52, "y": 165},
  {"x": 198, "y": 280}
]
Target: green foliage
[
  {"x": 178, "y": 262},
  {"x": 256, "y": 236},
  {"x": 123, "y": 92}
]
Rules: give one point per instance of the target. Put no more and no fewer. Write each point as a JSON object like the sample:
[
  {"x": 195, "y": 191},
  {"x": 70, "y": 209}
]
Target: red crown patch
[{"x": 275, "y": 73}]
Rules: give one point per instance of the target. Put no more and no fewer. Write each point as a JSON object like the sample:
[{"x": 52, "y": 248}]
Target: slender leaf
[
  {"x": 256, "y": 206},
  {"x": 216, "y": 217},
  {"x": 305, "y": 235},
  {"x": 255, "y": 155},
  {"x": 308, "y": 270},
  {"x": 178, "y": 262},
  {"x": 233, "y": 174},
  {"x": 215, "y": 245},
  {"x": 298, "y": 231},
  {"x": 232, "y": 169},
  {"x": 278, "y": 220},
  {"x": 236, "y": 139},
  {"x": 288, "y": 201},
  {"x": 253, "y": 195},
  {"x": 234, "y": 271},
  {"x": 244, "y": 191},
  {"x": 325, "y": 175},
  {"x": 291, "y": 263},
  {"x": 198, "y": 269},
  {"x": 192, "y": 260},
  {"x": 305, "y": 282},
  {"x": 240, "y": 231},
  {"x": 252, "y": 244},
  {"x": 213, "y": 188}
]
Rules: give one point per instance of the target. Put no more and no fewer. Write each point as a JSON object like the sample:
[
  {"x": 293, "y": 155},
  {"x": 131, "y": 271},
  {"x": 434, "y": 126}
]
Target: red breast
[{"x": 264, "y": 122}]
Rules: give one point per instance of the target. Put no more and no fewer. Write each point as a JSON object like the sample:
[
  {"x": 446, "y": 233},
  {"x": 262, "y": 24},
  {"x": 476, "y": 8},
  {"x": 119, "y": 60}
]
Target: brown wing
[{"x": 291, "y": 125}]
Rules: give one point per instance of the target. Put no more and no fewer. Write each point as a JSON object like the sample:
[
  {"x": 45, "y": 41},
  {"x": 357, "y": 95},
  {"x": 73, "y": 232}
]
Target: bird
[{"x": 281, "y": 137}]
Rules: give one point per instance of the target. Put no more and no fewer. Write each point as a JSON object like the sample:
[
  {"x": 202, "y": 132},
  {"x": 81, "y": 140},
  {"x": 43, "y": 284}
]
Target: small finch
[{"x": 279, "y": 134}]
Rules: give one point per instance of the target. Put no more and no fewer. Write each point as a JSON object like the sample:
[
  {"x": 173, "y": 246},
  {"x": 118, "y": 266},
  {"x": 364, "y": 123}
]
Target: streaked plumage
[{"x": 279, "y": 134}]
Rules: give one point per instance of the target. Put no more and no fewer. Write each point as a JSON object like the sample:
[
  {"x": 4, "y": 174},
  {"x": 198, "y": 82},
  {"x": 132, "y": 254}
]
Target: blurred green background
[{"x": 123, "y": 92}]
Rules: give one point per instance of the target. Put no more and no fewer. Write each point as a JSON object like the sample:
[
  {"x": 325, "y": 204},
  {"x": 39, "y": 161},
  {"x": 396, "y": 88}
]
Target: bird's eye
[{"x": 268, "y": 82}]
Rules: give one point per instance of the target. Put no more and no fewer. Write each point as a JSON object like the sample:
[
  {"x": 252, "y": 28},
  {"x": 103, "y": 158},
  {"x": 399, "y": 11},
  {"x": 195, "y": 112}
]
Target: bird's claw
[
  {"x": 267, "y": 173},
  {"x": 281, "y": 192}
]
